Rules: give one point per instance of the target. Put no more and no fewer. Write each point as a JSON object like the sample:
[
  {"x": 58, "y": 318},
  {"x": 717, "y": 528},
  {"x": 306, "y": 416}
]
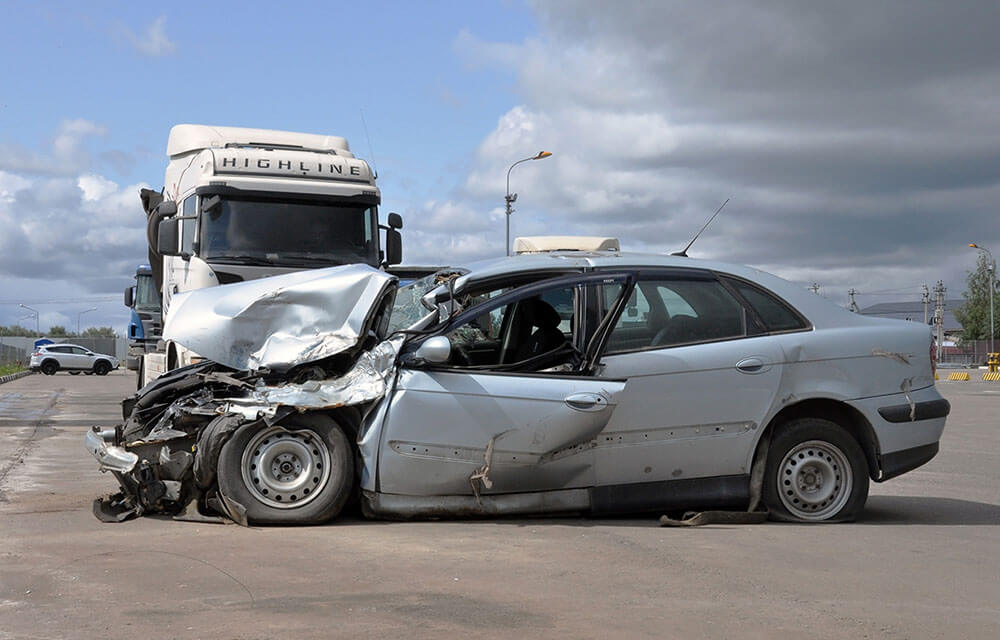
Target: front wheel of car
[
  {"x": 49, "y": 368},
  {"x": 298, "y": 472},
  {"x": 815, "y": 472},
  {"x": 102, "y": 367}
]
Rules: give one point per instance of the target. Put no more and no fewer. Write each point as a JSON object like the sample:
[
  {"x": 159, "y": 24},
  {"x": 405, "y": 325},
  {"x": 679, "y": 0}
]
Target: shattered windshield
[{"x": 409, "y": 308}]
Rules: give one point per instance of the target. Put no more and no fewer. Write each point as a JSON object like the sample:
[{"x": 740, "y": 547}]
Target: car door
[
  {"x": 698, "y": 387},
  {"x": 501, "y": 421}
]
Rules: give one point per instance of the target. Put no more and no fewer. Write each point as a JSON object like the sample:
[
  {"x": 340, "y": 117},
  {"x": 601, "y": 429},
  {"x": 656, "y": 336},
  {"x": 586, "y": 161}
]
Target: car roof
[{"x": 817, "y": 309}]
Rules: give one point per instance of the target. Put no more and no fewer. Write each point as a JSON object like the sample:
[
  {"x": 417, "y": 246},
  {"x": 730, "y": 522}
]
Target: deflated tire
[{"x": 298, "y": 472}]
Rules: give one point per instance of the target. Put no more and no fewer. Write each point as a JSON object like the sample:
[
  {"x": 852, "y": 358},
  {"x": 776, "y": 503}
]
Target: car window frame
[
  {"x": 727, "y": 281},
  {"x": 582, "y": 306},
  {"x": 689, "y": 274}
]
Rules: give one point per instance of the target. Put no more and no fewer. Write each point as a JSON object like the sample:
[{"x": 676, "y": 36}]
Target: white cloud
[
  {"x": 856, "y": 141},
  {"x": 68, "y": 153},
  {"x": 154, "y": 43}
]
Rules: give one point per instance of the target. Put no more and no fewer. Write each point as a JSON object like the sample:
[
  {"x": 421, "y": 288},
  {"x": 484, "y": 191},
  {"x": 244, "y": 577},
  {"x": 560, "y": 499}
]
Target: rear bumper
[{"x": 899, "y": 462}]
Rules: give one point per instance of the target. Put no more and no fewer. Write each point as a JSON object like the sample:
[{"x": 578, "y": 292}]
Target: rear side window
[
  {"x": 776, "y": 314},
  {"x": 669, "y": 312}
]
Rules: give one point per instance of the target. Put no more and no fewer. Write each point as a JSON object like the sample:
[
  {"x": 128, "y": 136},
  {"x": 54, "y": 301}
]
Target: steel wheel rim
[
  {"x": 286, "y": 469},
  {"x": 814, "y": 480}
]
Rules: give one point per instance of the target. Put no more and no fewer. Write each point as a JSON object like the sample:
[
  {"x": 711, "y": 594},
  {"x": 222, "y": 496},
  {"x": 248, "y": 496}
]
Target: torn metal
[
  {"x": 278, "y": 346},
  {"x": 278, "y": 322}
]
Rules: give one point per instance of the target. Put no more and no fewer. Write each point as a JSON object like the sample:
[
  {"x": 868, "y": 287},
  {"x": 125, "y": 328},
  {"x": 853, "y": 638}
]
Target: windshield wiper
[{"x": 248, "y": 260}]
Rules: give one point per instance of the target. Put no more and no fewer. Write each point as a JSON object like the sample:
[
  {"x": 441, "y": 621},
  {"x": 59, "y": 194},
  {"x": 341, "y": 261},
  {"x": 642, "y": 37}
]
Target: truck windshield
[
  {"x": 146, "y": 298},
  {"x": 300, "y": 233}
]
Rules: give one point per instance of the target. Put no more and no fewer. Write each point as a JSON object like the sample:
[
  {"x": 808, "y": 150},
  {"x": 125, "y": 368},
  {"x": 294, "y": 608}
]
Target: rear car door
[
  {"x": 511, "y": 410},
  {"x": 702, "y": 376}
]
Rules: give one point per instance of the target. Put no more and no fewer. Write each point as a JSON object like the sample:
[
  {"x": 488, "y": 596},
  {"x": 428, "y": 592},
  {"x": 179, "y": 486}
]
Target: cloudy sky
[{"x": 858, "y": 142}]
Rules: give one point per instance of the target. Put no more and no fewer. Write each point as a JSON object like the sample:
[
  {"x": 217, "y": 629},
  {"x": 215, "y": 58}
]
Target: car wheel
[
  {"x": 73, "y": 373},
  {"x": 49, "y": 367},
  {"x": 101, "y": 367},
  {"x": 815, "y": 472},
  {"x": 297, "y": 472}
]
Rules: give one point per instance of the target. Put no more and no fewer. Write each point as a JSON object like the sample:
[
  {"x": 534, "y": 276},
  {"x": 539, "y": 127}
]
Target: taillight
[
  {"x": 933, "y": 359},
  {"x": 37, "y": 354}
]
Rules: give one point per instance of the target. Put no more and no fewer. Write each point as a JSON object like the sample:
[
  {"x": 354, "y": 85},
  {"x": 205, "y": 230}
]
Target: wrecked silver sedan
[{"x": 558, "y": 383}]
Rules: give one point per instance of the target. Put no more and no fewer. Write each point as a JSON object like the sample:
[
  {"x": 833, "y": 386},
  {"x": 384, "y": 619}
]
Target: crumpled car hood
[{"x": 278, "y": 322}]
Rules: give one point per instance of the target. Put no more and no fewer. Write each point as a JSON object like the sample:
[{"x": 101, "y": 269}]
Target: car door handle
[
  {"x": 750, "y": 365},
  {"x": 586, "y": 402}
]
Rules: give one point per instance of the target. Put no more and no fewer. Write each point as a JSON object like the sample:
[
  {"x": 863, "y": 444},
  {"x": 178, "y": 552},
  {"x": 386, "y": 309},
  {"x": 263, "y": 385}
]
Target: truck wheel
[
  {"x": 49, "y": 367},
  {"x": 101, "y": 367},
  {"x": 815, "y": 472},
  {"x": 298, "y": 472}
]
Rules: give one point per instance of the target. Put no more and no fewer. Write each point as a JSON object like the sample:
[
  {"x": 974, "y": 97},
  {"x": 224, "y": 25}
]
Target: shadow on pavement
[{"x": 928, "y": 510}]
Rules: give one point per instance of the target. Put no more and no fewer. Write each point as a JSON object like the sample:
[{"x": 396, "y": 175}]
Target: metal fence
[
  {"x": 972, "y": 353},
  {"x": 13, "y": 355}
]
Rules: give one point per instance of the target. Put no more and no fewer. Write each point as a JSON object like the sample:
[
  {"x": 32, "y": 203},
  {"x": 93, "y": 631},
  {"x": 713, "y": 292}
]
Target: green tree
[
  {"x": 98, "y": 332},
  {"x": 16, "y": 330},
  {"x": 58, "y": 330},
  {"x": 974, "y": 313}
]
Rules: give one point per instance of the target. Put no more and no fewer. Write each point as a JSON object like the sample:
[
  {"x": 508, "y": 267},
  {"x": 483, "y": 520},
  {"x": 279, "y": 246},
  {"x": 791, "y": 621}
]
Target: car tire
[
  {"x": 815, "y": 472},
  {"x": 49, "y": 367},
  {"x": 102, "y": 367},
  {"x": 298, "y": 472}
]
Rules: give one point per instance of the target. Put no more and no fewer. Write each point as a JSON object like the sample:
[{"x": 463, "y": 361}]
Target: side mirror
[
  {"x": 434, "y": 350},
  {"x": 168, "y": 237},
  {"x": 129, "y": 296},
  {"x": 395, "y": 221},
  {"x": 393, "y": 247},
  {"x": 167, "y": 208}
]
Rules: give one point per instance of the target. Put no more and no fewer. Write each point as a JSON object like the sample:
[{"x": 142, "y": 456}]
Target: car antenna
[
  {"x": 371, "y": 149},
  {"x": 684, "y": 253}
]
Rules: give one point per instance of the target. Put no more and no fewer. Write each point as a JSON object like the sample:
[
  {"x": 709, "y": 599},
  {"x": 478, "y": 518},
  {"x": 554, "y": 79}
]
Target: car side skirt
[{"x": 671, "y": 495}]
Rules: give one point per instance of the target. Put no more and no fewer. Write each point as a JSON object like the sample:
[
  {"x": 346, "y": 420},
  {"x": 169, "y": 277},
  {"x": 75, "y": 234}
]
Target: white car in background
[{"x": 51, "y": 358}]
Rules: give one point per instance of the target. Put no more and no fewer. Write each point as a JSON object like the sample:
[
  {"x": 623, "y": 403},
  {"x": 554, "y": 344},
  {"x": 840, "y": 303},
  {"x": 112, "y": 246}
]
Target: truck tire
[{"x": 298, "y": 472}]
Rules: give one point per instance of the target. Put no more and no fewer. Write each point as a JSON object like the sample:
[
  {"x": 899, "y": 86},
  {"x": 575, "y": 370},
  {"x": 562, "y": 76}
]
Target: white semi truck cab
[{"x": 240, "y": 204}]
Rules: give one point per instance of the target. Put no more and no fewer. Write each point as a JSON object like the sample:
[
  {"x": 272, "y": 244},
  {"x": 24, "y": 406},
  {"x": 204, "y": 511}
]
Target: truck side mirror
[
  {"x": 395, "y": 221},
  {"x": 167, "y": 208},
  {"x": 393, "y": 247},
  {"x": 168, "y": 237},
  {"x": 129, "y": 296}
]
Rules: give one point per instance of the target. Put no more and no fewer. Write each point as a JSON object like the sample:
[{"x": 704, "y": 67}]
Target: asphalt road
[{"x": 924, "y": 562}]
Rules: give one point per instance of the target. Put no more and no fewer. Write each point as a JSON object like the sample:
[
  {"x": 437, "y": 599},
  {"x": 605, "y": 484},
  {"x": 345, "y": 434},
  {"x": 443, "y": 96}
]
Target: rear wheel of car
[
  {"x": 298, "y": 472},
  {"x": 815, "y": 472},
  {"x": 49, "y": 367},
  {"x": 101, "y": 367}
]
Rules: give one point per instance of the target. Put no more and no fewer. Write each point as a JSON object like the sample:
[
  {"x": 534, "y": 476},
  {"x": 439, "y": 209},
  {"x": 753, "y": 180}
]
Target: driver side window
[{"x": 532, "y": 333}]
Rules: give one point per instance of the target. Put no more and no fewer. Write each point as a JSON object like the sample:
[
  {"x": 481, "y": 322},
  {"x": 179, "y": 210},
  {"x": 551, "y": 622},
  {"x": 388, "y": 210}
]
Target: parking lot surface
[{"x": 921, "y": 563}]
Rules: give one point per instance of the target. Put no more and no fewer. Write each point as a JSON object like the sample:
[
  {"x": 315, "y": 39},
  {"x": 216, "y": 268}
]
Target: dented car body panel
[{"x": 559, "y": 383}]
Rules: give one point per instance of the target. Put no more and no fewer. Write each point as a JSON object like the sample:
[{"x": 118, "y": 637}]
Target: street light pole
[
  {"x": 993, "y": 275},
  {"x": 78, "y": 318},
  {"x": 24, "y": 306},
  {"x": 511, "y": 198}
]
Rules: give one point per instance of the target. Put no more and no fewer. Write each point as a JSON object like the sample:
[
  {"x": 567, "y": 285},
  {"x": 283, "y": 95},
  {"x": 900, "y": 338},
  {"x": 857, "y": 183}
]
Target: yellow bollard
[{"x": 959, "y": 375}]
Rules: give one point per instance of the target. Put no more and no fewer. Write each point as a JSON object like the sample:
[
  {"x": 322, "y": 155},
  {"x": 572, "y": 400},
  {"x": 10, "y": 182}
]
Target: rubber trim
[
  {"x": 899, "y": 462},
  {"x": 928, "y": 410}
]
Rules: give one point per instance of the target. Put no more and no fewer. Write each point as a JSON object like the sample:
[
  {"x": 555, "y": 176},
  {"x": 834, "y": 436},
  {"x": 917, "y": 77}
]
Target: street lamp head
[
  {"x": 542, "y": 154},
  {"x": 974, "y": 245}
]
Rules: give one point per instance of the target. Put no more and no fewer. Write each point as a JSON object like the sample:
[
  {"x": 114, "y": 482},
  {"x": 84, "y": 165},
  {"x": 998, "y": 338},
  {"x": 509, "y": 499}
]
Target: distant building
[{"x": 914, "y": 312}]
